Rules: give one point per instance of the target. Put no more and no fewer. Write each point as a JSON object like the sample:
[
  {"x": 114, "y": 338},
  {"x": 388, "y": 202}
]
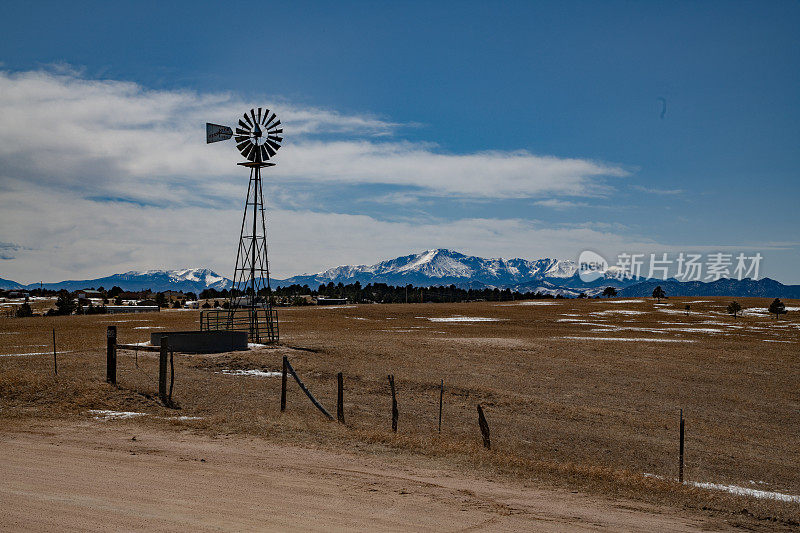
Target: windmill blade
[
  {"x": 273, "y": 117},
  {"x": 240, "y": 138},
  {"x": 269, "y": 149},
  {"x": 244, "y": 126},
  {"x": 253, "y": 114},
  {"x": 242, "y": 145},
  {"x": 273, "y": 144},
  {"x": 264, "y": 153},
  {"x": 217, "y": 132},
  {"x": 247, "y": 119},
  {"x": 249, "y": 152},
  {"x": 265, "y": 118},
  {"x": 274, "y": 125},
  {"x": 240, "y": 131},
  {"x": 259, "y": 114},
  {"x": 275, "y": 138},
  {"x": 275, "y": 131}
]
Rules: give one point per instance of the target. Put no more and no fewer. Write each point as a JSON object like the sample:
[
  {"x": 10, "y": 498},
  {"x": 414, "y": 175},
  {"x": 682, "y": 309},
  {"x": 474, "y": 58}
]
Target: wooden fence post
[
  {"x": 680, "y": 453},
  {"x": 395, "y": 413},
  {"x": 283, "y": 385},
  {"x": 441, "y": 398},
  {"x": 171, "y": 373},
  {"x": 111, "y": 355},
  {"x": 55, "y": 359},
  {"x": 340, "y": 398},
  {"x": 484, "y": 428},
  {"x": 162, "y": 370}
]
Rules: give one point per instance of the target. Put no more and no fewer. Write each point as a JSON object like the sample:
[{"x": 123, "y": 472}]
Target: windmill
[{"x": 258, "y": 136}]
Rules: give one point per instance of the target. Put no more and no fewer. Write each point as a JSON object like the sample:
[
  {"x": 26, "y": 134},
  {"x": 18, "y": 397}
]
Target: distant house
[
  {"x": 191, "y": 304},
  {"x": 18, "y": 294},
  {"x": 127, "y": 295},
  {"x": 88, "y": 294},
  {"x": 331, "y": 301},
  {"x": 174, "y": 295}
]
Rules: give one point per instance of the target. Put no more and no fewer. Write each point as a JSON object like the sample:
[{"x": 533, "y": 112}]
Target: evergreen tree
[
  {"x": 65, "y": 304},
  {"x": 610, "y": 292},
  {"x": 777, "y": 308},
  {"x": 658, "y": 293},
  {"x": 24, "y": 310},
  {"x": 161, "y": 300},
  {"x": 734, "y": 308}
]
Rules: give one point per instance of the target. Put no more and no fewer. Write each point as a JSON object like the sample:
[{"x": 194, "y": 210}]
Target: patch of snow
[
  {"x": 103, "y": 414},
  {"x": 465, "y": 319},
  {"x": 697, "y": 330},
  {"x": 623, "y": 301},
  {"x": 29, "y": 345},
  {"x": 623, "y": 339},
  {"x": 773, "y": 340},
  {"x": 697, "y": 301},
  {"x": 679, "y": 312},
  {"x": 149, "y": 327},
  {"x": 254, "y": 373},
  {"x": 754, "y": 311},
  {"x": 533, "y": 302},
  {"x": 743, "y": 491},
  {"x": 618, "y": 312},
  {"x": 255, "y": 345},
  {"x": 31, "y": 353},
  {"x": 740, "y": 491}
]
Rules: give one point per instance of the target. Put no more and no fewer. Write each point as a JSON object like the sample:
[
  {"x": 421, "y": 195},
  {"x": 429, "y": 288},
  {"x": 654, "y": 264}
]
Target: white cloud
[
  {"x": 555, "y": 203},
  {"x": 652, "y": 190},
  {"x": 72, "y": 237},
  {"x": 113, "y": 138}
]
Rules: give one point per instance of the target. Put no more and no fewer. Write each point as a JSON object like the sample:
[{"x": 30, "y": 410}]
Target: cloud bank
[{"x": 102, "y": 176}]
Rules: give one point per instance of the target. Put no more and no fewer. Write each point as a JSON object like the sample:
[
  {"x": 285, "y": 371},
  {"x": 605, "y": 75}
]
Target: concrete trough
[{"x": 202, "y": 341}]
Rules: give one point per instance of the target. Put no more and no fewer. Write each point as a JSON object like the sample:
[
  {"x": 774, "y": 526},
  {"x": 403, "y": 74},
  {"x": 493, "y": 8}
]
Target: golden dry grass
[{"x": 588, "y": 414}]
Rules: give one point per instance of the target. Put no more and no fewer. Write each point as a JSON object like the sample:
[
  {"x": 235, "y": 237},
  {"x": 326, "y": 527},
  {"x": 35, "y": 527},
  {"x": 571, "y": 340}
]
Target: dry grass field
[{"x": 579, "y": 394}]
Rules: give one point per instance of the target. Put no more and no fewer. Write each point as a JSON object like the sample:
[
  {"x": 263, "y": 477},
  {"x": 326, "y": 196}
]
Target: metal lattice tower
[
  {"x": 258, "y": 138},
  {"x": 251, "y": 286}
]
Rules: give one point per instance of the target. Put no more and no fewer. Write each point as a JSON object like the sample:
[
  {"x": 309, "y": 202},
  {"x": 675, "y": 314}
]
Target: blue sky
[{"x": 498, "y": 129}]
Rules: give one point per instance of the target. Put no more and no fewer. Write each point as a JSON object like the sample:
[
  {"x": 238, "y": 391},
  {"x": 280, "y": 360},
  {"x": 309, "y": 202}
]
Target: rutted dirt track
[{"x": 94, "y": 476}]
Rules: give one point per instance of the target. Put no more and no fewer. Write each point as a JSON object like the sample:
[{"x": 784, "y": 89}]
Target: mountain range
[
  {"x": 443, "y": 267},
  {"x": 187, "y": 279}
]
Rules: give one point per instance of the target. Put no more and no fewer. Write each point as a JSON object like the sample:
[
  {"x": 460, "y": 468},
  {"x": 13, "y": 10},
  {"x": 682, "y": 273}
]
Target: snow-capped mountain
[
  {"x": 445, "y": 267},
  {"x": 547, "y": 276},
  {"x": 186, "y": 279}
]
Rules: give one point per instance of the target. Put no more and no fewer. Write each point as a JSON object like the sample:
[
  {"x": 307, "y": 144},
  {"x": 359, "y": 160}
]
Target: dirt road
[{"x": 95, "y": 476}]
